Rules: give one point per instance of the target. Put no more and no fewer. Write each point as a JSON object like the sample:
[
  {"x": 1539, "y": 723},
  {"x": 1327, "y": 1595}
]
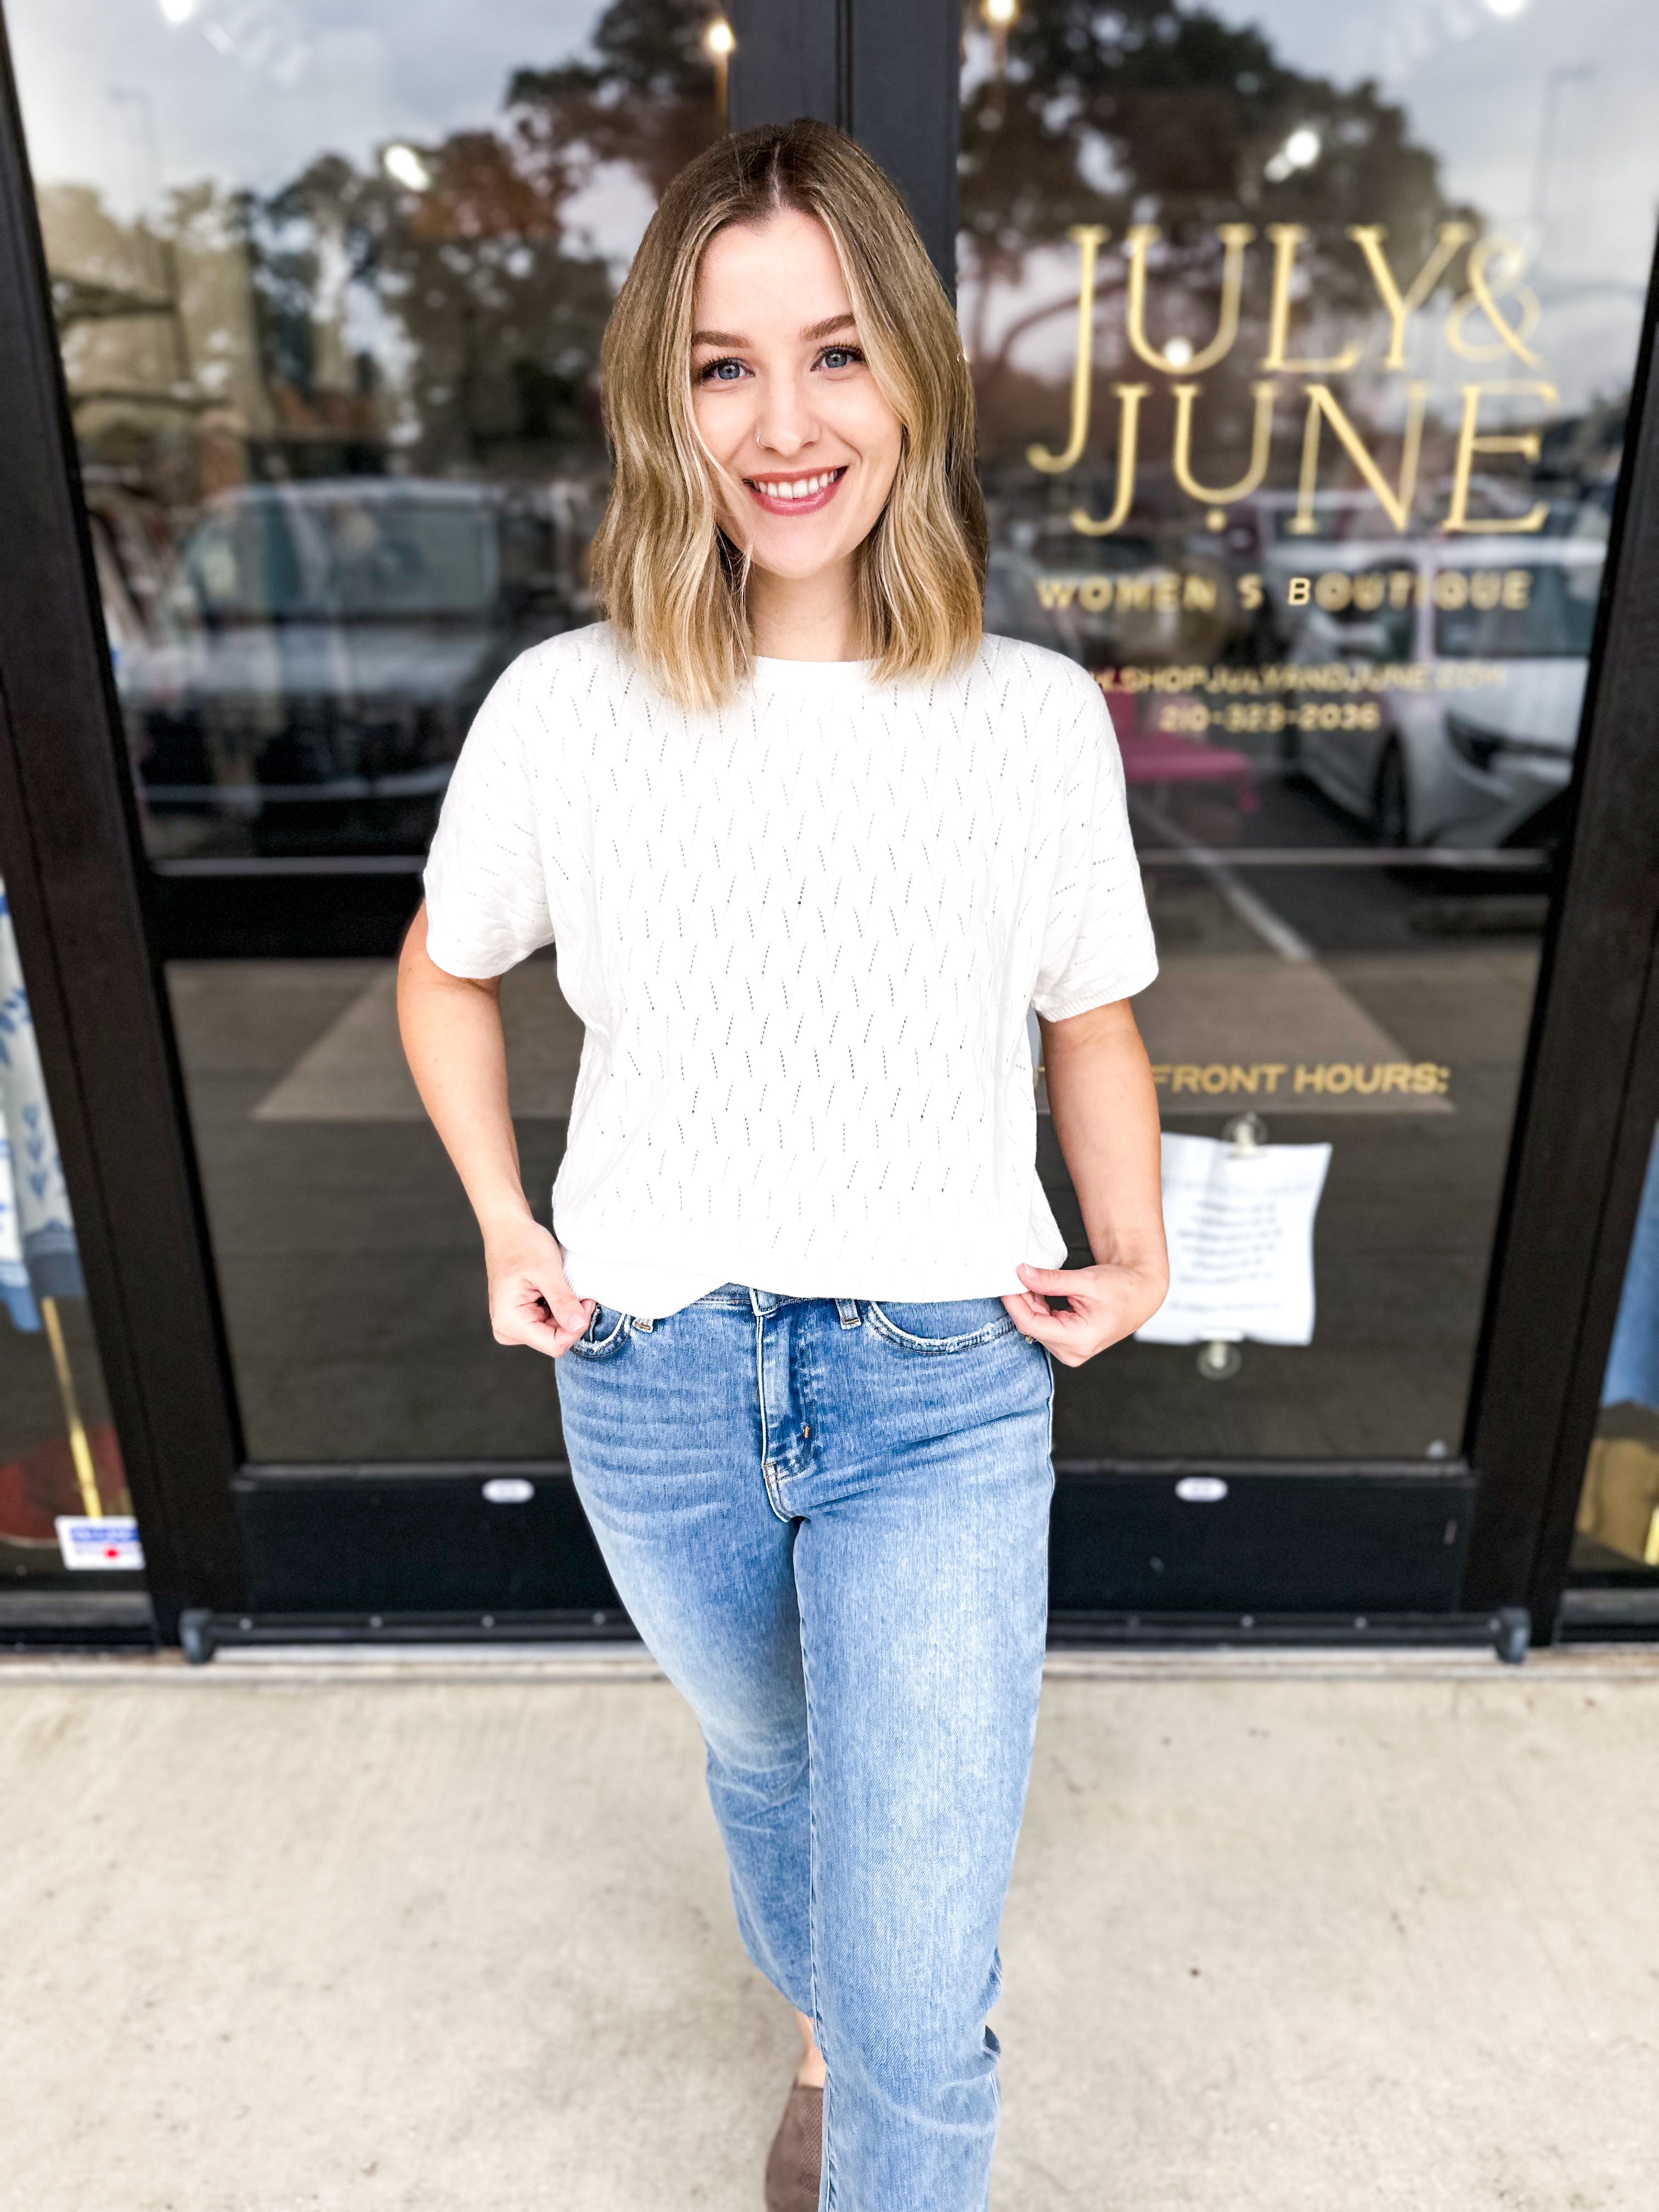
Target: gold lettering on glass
[
  {"x": 1128, "y": 397},
  {"x": 1286, "y": 237},
  {"x": 1402, "y": 306},
  {"x": 1508, "y": 336},
  {"x": 1235, "y": 237},
  {"x": 1509, "y": 308},
  {"x": 1089, "y": 237},
  {"x": 1396, "y": 501},
  {"x": 1261, "y": 441},
  {"x": 1470, "y": 443}
]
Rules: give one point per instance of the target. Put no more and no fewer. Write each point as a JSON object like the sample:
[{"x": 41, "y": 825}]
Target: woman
[{"x": 809, "y": 847}]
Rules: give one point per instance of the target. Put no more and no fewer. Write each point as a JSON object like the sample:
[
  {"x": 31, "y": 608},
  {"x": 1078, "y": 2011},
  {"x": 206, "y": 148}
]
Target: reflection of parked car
[
  {"x": 139, "y": 578},
  {"x": 1495, "y": 631},
  {"x": 333, "y": 640},
  {"x": 1262, "y": 520},
  {"x": 1105, "y": 602},
  {"x": 1016, "y": 605}
]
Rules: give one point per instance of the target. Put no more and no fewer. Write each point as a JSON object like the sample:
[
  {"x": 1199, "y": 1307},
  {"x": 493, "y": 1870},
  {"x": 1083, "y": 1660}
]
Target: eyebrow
[{"x": 826, "y": 328}]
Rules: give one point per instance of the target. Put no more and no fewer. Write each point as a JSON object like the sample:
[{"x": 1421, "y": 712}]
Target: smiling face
[{"x": 785, "y": 400}]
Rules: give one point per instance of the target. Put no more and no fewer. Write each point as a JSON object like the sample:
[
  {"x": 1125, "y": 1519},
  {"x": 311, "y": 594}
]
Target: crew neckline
[{"x": 810, "y": 675}]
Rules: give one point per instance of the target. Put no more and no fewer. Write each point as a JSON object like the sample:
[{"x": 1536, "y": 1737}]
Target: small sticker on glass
[{"x": 94, "y": 1544}]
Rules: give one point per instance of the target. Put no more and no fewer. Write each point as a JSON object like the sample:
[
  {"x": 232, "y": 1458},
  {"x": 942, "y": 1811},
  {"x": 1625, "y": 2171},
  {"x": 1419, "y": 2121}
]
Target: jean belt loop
[
  {"x": 848, "y": 1310},
  {"x": 638, "y": 1322}
]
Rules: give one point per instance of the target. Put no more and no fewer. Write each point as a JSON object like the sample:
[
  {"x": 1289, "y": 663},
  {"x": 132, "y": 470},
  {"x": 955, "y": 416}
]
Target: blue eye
[
  {"x": 841, "y": 356},
  {"x": 725, "y": 371}
]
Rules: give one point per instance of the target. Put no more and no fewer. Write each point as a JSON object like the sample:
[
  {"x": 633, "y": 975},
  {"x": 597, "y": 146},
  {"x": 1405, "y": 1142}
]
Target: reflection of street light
[
  {"x": 720, "y": 43},
  {"x": 1300, "y": 151},
  {"x": 1506, "y": 7},
  {"x": 1543, "y": 162},
  {"x": 999, "y": 18},
  {"x": 177, "y": 11},
  {"x": 126, "y": 95},
  {"x": 405, "y": 166}
]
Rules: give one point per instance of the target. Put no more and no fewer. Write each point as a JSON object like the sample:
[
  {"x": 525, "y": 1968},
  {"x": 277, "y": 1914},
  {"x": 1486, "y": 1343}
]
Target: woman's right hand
[{"x": 530, "y": 1301}]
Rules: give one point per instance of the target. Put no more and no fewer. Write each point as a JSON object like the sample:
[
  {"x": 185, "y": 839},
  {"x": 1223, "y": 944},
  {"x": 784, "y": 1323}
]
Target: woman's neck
[{"x": 805, "y": 618}]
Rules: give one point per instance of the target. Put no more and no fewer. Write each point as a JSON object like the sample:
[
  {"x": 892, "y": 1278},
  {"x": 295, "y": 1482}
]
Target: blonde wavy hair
[{"x": 670, "y": 579}]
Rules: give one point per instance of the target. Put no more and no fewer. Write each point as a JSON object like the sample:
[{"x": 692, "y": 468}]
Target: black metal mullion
[
  {"x": 1567, "y": 1201},
  {"x": 885, "y": 70},
  {"x": 903, "y": 107},
  {"x": 788, "y": 61},
  {"x": 68, "y": 847}
]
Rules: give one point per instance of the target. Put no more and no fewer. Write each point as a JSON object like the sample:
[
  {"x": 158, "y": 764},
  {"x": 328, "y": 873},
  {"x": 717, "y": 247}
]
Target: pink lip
[{"x": 812, "y": 506}]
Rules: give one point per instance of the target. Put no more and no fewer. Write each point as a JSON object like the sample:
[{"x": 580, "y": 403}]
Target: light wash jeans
[{"x": 829, "y": 1520}]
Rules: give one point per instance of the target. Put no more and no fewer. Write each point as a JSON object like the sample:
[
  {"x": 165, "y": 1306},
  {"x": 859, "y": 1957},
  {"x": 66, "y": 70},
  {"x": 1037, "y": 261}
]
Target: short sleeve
[
  {"x": 486, "y": 888},
  {"x": 1097, "y": 940}
]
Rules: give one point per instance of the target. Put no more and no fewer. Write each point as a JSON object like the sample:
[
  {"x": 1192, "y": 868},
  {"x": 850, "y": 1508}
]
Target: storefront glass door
[
  {"x": 330, "y": 277},
  {"x": 1303, "y": 339}
]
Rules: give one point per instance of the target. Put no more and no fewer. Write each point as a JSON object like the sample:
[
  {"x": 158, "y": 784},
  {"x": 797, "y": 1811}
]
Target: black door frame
[
  {"x": 1590, "y": 1082},
  {"x": 213, "y": 1524},
  {"x": 68, "y": 840}
]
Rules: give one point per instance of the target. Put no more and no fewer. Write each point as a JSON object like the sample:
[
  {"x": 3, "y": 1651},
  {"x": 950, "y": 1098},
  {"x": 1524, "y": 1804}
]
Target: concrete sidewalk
[{"x": 1286, "y": 1936}]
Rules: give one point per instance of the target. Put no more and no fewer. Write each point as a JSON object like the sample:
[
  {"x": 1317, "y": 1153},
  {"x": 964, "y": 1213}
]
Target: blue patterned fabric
[{"x": 39, "y": 1255}]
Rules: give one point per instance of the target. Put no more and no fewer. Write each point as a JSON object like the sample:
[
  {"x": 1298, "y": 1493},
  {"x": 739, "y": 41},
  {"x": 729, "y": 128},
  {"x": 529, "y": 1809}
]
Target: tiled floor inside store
[{"x": 1286, "y": 1935}]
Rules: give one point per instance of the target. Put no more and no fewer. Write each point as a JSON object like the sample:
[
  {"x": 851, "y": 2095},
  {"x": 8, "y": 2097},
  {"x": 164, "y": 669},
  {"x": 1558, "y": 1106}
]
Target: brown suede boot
[{"x": 795, "y": 2161}]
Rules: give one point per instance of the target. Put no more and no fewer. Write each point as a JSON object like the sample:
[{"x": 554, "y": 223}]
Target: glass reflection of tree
[
  {"x": 464, "y": 247},
  {"x": 647, "y": 99},
  {"x": 488, "y": 323},
  {"x": 435, "y": 307},
  {"x": 1142, "y": 115}
]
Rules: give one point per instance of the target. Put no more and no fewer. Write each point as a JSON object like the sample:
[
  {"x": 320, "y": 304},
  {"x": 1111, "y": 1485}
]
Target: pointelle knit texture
[{"x": 803, "y": 933}]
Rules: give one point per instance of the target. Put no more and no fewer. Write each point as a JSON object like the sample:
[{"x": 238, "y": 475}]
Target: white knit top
[{"x": 802, "y": 934}]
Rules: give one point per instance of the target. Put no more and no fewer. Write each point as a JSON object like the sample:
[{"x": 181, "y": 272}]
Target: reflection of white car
[{"x": 1478, "y": 745}]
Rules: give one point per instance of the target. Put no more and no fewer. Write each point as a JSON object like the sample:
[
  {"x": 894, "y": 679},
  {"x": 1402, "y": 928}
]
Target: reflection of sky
[
  {"x": 1476, "y": 84},
  {"x": 1578, "y": 185},
  {"x": 249, "y": 92},
  {"x": 1473, "y": 81}
]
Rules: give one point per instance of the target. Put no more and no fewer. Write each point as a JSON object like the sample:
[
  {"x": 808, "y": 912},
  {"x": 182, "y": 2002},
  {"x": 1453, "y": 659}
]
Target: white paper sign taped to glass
[
  {"x": 1240, "y": 1229},
  {"x": 98, "y": 1542}
]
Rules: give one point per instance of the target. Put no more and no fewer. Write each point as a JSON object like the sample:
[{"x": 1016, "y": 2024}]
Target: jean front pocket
[
  {"x": 940, "y": 1324},
  {"x": 606, "y": 1334}
]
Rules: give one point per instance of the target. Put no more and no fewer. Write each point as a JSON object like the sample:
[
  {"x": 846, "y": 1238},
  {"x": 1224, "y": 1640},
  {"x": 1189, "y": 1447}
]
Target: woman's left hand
[{"x": 1106, "y": 1303}]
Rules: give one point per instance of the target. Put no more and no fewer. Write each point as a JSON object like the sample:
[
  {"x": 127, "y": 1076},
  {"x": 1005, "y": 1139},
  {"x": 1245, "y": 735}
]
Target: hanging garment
[
  {"x": 36, "y": 1220},
  {"x": 1632, "y": 1371}
]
